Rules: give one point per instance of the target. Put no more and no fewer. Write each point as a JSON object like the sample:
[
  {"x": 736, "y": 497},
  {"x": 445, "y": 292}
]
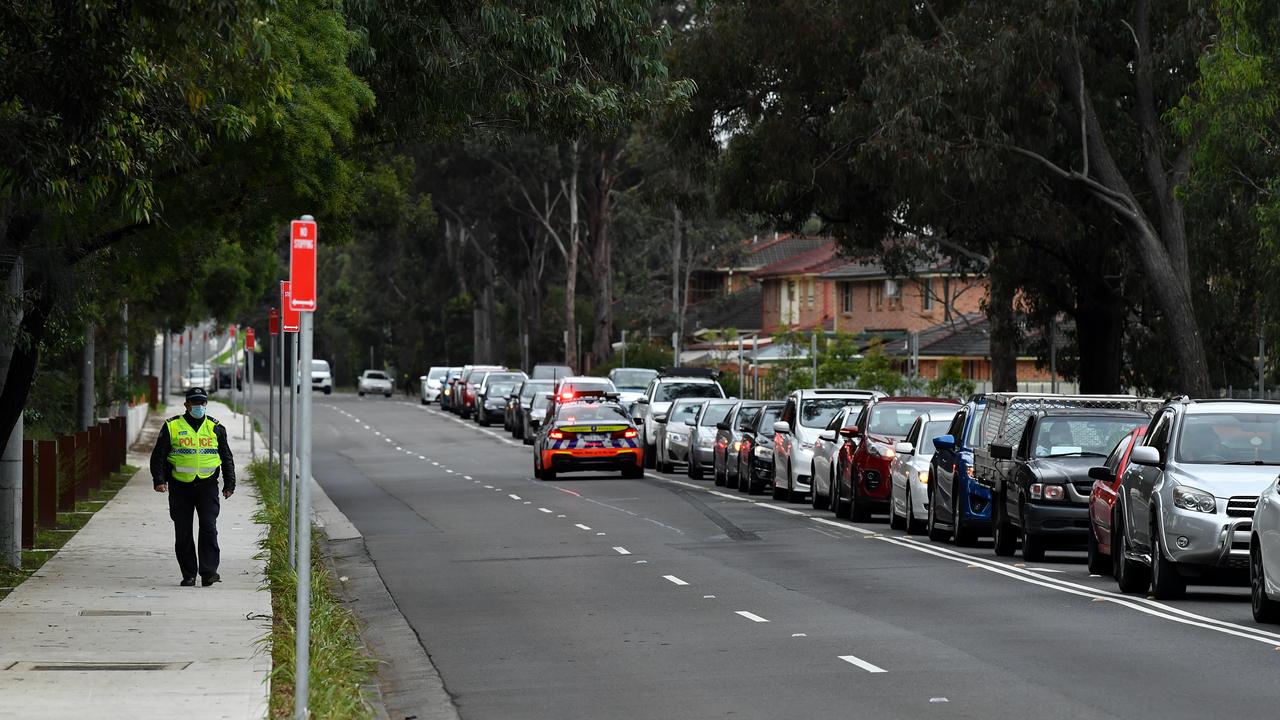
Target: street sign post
[
  {"x": 303, "y": 298},
  {"x": 249, "y": 346},
  {"x": 273, "y": 330}
]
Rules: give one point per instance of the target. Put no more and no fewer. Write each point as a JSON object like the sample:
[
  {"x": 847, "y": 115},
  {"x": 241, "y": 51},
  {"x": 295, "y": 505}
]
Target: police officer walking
[{"x": 190, "y": 452}]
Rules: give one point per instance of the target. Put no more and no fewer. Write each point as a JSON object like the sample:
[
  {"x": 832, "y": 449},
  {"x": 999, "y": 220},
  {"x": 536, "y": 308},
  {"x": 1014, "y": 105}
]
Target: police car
[{"x": 585, "y": 434}]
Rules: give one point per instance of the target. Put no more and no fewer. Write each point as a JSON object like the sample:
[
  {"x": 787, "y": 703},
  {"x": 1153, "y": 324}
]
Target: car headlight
[
  {"x": 806, "y": 445},
  {"x": 1041, "y": 491},
  {"x": 763, "y": 452},
  {"x": 677, "y": 437},
  {"x": 1189, "y": 498},
  {"x": 879, "y": 451},
  {"x": 924, "y": 476}
]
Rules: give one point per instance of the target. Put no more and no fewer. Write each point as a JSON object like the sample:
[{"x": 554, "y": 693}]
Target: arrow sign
[
  {"x": 273, "y": 322},
  {"x": 248, "y": 339},
  {"x": 288, "y": 316},
  {"x": 302, "y": 264}
]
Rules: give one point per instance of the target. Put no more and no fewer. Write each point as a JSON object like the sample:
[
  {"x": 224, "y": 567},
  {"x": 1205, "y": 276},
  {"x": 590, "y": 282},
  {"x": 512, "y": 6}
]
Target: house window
[
  {"x": 846, "y": 298},
  {"x": 893, "y": 291},
  {"x": 812, "y": 284},
  {"x": 926, "y": 294},
  {"x": 877, "y": 295}
]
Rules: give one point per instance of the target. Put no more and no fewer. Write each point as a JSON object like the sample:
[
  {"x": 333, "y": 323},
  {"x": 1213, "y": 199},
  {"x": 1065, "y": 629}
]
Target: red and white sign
[
  {"x": 231, "y": 331},
  {"x": 302, "y": 264},
  {"x": 290, "y": 319},
  {"x": 249, "y": 339},
  {"x": 273, "y": 322}
]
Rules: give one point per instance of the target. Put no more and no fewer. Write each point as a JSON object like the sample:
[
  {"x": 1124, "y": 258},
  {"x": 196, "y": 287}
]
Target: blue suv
[{"x": 959, "y": 508}]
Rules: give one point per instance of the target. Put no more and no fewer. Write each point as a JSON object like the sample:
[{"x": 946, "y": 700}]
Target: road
[{"x": 596, "y": 597}]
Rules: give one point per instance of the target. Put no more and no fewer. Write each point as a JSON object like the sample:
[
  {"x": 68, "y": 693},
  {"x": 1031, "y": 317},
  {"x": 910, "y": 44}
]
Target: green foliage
[
  {"x": 640, "y": 354},
  {"x": 877, "y": 372},
  {"x": 951, "y": 381}
]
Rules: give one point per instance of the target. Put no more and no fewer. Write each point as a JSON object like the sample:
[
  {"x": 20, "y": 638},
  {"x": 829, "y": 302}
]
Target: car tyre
[
  {"x": 778, "y": 492},
  {"x": 818, "y": 502},
  {"x": 386, "y": 395},
  {"x": 1098, "y": 563},
  {"x": 1006, "y": 542},
  {"x": 859, "y": 512},
  {"x": 328, "y": 391},
  {"x": 718, "y": 476},
  {"x": 914, "y": 526},
  {"x": 935, "y": 533},
  {"x": 793, "y": 495},
  {"x": 695, "y": 468},
  {"x": 1032, "y": 544},
  {"x": 842, "y": 508},
  {"x": 1131, "y": 575},
  {"x": 1265, "y": 610},
  {"x": 1166, "y": 583},
  {"x": 361, "y": 393},
  {"x": 895, "y": 522},
  {"x": 650, "y": 455}
]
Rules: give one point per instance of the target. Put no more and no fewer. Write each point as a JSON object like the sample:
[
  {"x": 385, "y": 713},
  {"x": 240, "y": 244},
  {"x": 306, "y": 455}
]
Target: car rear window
[
  {"x": 584, "y": 412},
  {"x": 535, "y": 386},
  {"x": 895, "y": 419},
  {"x": 682, "y": 411},
  {"x": 1076, "y": 436},
  {"x": 817, "y": 412},
  {"x": 715, "y": 413},
  {"x": 668, "y": 391},
  {"x": 375, "y": 375},
  {"x": 637, "y": 379},
  {"x": 501, "y": 389},
  {"x": 767, "y": 418}
]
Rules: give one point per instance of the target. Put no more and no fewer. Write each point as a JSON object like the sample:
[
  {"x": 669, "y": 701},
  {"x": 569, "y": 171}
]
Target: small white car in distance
[
  {"x": 375, "y": 382},
  {"x": 909, "y": 471},
  {"x": 321, "y": 377}
]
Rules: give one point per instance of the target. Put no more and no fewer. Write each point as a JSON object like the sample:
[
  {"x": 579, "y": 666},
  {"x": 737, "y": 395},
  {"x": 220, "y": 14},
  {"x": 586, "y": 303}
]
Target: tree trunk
[
  {"x": 86, "y": 402},
  {"x": 602, "y": 260},
  {"x": 1099, "y": 337},
  {"x": 677, "y": 238},
  {"x": 1004, "y": 331},
  {"x": 571, "y": 265}
]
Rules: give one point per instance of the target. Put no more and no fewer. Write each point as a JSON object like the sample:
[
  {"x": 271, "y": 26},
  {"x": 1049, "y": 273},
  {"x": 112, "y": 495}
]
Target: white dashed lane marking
[
  {"x": 545, "y": 510},
  {"x": 750, "y": 616},
  {"x": 621, "y": 550},
  {"x": 675, "y": 580},
  {"x": 581, "y": 526},
  {"x": 859, "y": 662}
]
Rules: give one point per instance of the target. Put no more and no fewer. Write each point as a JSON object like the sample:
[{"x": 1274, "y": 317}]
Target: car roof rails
[{"x": 680, "y": 371}]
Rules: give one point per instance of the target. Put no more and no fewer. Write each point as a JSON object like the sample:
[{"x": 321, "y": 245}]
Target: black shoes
[
  {"x": 188, "y": 582},
  {"x": 208, "y": 580}
]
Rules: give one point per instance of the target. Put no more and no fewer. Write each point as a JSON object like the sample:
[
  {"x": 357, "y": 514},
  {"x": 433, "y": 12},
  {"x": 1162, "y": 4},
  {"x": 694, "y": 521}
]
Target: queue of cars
[{"x": 1159, "y": 493}]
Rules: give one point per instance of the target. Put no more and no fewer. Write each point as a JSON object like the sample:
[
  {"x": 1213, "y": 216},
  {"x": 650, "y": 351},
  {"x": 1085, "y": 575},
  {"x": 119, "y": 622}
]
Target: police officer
[{"x": 190, "y": 452}]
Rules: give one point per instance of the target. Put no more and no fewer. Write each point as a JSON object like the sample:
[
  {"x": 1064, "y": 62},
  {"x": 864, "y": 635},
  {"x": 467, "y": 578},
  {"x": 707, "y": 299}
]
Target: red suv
[
  {"x": 469, "y": 383},
  {"x": 1102, "y": 501},
  {"x": 862, "y": 473}
]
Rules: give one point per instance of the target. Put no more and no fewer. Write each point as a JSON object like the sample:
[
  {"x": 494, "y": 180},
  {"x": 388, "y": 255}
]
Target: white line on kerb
[
  {"x": 842, "y": 526},
  {"x": 544, "y": 510},
  {"x": 855, "y": 660},
  {"x": 514, "y": 497},
  {"x": 675, "y": 580},
  {"x": 750, "y": 616},
  {"x": 622, "y": 550},
  {"x": 581, "y": 526}
]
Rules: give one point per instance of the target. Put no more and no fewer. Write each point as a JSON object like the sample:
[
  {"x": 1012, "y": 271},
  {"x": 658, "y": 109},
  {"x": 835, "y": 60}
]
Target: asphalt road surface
[{"x": 596, "y": 597}]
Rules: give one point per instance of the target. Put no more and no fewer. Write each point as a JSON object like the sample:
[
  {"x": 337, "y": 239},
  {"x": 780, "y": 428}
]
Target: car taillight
[
  {"x": 566, "y": 395},
  {"x": 630, "y": 433},
  {"x": 737, "y": 445},
  {"x": 556, "y": 435}
]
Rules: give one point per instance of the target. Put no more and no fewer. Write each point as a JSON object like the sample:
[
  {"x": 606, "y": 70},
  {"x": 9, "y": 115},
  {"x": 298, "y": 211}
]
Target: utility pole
[
  {"x": 1053, "y": 356},
  {"x": 124, "y": 362},
  {"x": 741, "y": 380},
  {"x": 85, "y": 403},
  {"x": 624, "y": 348},
  {"x": 11, "y": 459},
  {"x": 813, "y": 355}
]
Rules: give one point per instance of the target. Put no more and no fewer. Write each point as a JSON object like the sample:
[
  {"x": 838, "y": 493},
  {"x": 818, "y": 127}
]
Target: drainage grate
[
  {"x": 96, "y": 666},
  {"x": 114, "y": 613}
]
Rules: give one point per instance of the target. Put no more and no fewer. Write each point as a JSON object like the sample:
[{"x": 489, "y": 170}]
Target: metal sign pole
[
  {"x": 252, "y": 435},
  {"x": 302, "y": 650},
  {"x": 293, "y": 444},
  {"x": 271, "y": 400},
  {"x": 280, "y": 409}
]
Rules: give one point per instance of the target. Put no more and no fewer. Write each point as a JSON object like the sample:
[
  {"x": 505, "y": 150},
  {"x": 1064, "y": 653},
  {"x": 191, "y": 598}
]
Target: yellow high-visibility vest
[{"x": 192, "y": 453}]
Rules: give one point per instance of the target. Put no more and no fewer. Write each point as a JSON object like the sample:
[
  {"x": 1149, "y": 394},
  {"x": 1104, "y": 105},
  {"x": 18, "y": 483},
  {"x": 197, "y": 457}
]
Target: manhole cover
[
  {"x": 96, "y": 666},
  {"x": 114, "y": 613}
]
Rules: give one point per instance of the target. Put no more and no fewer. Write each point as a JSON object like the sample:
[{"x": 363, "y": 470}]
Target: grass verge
[
  {"x": 48, "y": 542},
  {"x": 338, "y": 664}
]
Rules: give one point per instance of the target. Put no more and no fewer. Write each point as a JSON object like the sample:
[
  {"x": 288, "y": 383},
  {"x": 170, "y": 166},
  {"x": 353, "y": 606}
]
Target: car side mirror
[
  {"x": 1102, "y": 473},
  {"x": 782, "y": 427},
  {"x": 1145, "y": 455},
  {"x": 850, "y": 432},
  {"x": 1001, "y": 452},
  {"x": 660, "y": 417},
  {"x": 828, "y": 435},
  {"x": 944, "y": 443},
  {"x": 422, "y": 378},
  {"x": 691, "y": 422},
  {"x": 904, "y": 448},
  {"x": 722, "y": 425}
]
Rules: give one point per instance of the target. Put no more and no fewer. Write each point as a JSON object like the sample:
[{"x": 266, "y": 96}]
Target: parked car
[
  {"x": 376, "y": 382},
  {"x": 702, "y": 435},
  {"x": 225, "y": 373},
  {"x": 671, "y": 384},
  {"x": 198, "y": 375},
  {"x": 467, "y": 385},
  {"x": 909, "y": 471},
  {"x": 521, "y": 402},
  {"x": 1264, "y": 556},
  {"x": 1102, "y": 501},
  {"x": 804, "y": 417},
  {"x": 631, "y": 383},
  {"x": 729, "y": 441},
  {"x": 755, "y": 459},
  {"x": 588, "y": 433},
  {"x": 448, "y": 388},
  {"x": 535, "y": 416},
  {"x": 862, "y": 471},
  {"x": 321, "y": 377},
  {"x": 1044, "y": 499},
  {"x": 432, "y": 384},
  {"x": 673, "y": 438},
  {"x": 491, "y": 406},
  {"x": 1186, "y": 502},
  {"x": 548, "y": 371},
  {"x": 826, "y": 450},
  {"x": 959, "y": 507}
]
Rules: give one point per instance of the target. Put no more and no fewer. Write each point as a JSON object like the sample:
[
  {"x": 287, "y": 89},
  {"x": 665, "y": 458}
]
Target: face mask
[{"x": 197, "y": 411}]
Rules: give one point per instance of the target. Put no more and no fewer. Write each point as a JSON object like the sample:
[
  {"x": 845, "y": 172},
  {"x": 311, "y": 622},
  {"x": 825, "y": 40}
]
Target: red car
[
  {"x": 863, "y": 483},
  {"x": 1102, "y": 502}
]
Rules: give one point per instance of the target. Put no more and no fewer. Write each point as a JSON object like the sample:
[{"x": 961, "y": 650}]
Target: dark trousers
[{"x": 200, "y": 497}]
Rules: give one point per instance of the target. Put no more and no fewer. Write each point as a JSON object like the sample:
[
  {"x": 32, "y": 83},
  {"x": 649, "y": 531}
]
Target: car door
[
  {"x": 942, "y": 469},
  {"x": 1103, "y": 497},
  {"x": 824, "y": 451},
  {"x": 782, "y": 442},
  {"x": 1266, "y": 522},
  {"x": 900, "y": 468},
  {"x": 1139, "y": 484}
]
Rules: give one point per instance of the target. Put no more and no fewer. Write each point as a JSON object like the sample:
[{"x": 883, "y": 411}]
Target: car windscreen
[
  {"x": 747, "y": 417},
  {"x": 535, "y": 386},
  {"x": 512, "y": 378},
  {"x": 320, "y": 365},
  {"x": 1081, "y": 436},
  {"x": 501, "y": 389},
  {"x": 930, "y": 431},
  {"x": 715, "y": 413},
  {"x": 817, "y": 412},
  {"x": 541, "y": 401},
  {"x": 437, "y": 373},
  {"x": 376, "y": 375},
  {"x": 1230, "y": 438},
  {"x": 637, "y": 379},
  {"x": 592, "y": 413},
  {"x": 551, "y": 372},
  {"x": 769, "y": 416},
  {"x": 666, "y": 392},
  {"x": 895, "y": 419},
  {"x": 681, "y": 412}
]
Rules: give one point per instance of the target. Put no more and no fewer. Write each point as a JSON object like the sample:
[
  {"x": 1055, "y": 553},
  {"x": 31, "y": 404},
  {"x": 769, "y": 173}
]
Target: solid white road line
[
  {"x": 750, "y": 616},
  {"x": 675, "y": 580},
  {"x": 581, "y": 526},
  {"x": 855, "y": 660},
  {"x": 842, "y": 526},
  {"x": 621, "y": 550}
]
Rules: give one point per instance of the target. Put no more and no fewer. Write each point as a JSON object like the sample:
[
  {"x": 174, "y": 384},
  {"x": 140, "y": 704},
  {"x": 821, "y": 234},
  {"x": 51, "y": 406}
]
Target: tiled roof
[
  {"x": 813, "y": 261},
  {"x": 742, "y": 310},
  {"x": 767, "y": 252},
  {"x": 859, "y": 270},
  {"x": 968, "y": 335}
]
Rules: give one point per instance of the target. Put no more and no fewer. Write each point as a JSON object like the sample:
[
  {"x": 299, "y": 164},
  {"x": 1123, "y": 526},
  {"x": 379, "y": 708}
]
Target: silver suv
[
  {"x": 670, "y": 385},
  {"x": 804, "y": 417},
  {"x": 1185, "y": 507}
]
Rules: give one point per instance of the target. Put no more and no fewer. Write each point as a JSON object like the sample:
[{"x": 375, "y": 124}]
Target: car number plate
[{"x": 594, "y": 438}]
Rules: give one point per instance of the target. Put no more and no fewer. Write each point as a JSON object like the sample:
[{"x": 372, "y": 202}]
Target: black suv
[
  {"x": 755, "y": 458},
  {"x": 1045, "y": 497}
]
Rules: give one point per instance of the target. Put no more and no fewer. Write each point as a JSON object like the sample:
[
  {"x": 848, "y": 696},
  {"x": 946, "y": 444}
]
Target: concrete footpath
[{"x": 104, "y": 630}]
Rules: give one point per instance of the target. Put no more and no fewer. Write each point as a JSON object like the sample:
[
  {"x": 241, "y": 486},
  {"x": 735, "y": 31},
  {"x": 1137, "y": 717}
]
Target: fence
[{"x": 57, "y": 473}]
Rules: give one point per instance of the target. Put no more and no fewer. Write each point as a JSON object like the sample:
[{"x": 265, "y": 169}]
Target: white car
[
  {"x": 198, "y": 376},
  {"x": 909, "y": 471},
  {"x": 321, "y": 377},
  {"x": 631, "y": 383},
  {"x": 669, "y": 385},
  {"x": 702, "y": 435},
  {"x": 804, "y": 417},
  {"x": 433, "y": 383},
  {"x": 826, "y": 453},
  {"x": 374, "y": 381},
  {"x": 1264, "y": 556},
  {"x": 673, "y": 437}
]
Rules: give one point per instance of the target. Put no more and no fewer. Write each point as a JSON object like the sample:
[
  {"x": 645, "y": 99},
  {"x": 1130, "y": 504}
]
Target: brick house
[
  {"x": 869, "y": 298},
  {"x": 793, "y": 295}
]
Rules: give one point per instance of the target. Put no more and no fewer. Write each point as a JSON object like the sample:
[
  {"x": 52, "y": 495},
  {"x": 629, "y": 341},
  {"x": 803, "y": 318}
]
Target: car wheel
[
  {"x": 548, "y": 475},
  {"x": 421, "y": 400},
  {"x": 1032, "y": 544},
  {"x": 537, "y": 469},
  {"x": 842, "y": 507},
  {"x": 330, "y": 390},
  {"x": 386, "y": 395},
  {"x": 935, "y": 533},
  {"x": 859, "y": 512},
  {"x": 963, "y": 535},
  {"x": 1166, "y": 583},
  {"x": 650, "y": 455},
  {"x": 1265, "y": 610},
  {"x": 484, "y": 422},
  {"x": 778, "y": 492},
  {"x": 793, "y": 495},
  {"x": 361, "y": 393},
  {"x": 633, "y": 472},
  {"x": 1132, "y": 576},
  {"x": 1006, "y": 542},
  {"x": 1098, "y": 563},
  {"x": 914, "y": 525},
  {"x": 695, "y": 468},
  {"x": 895, "y": 522},
  {"x": 818, "y": 502}
]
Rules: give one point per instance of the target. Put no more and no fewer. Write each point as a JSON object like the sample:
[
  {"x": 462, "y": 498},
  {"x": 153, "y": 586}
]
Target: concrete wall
[{"x": 134, "y": 422}]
